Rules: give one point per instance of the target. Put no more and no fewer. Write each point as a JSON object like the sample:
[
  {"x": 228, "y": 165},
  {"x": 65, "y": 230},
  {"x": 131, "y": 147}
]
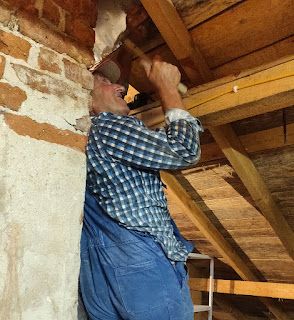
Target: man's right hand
[{"x": 165, "y": 78}]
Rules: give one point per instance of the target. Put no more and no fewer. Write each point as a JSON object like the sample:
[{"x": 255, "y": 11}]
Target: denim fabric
[{"x": 126, "y": 275}]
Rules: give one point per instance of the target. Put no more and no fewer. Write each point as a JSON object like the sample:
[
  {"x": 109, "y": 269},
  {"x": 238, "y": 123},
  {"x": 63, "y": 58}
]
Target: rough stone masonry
[{"x": 44, "y": 91}]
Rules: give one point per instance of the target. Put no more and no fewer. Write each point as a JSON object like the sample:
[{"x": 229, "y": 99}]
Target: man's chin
[{"x": 125, "y": 107}]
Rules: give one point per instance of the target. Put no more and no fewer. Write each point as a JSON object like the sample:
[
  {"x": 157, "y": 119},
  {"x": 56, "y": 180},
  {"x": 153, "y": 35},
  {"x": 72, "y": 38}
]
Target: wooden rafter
[
  {"x": 177, "y": 37},
  {"x": 249, "y": 288},
  {"x": 199, "y": 219},
  {"x": 243, "y": 165}
]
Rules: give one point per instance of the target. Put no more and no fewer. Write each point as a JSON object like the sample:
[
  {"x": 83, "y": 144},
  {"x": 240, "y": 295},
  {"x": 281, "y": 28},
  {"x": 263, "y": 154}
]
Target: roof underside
[{"x": 244, "y": 183}]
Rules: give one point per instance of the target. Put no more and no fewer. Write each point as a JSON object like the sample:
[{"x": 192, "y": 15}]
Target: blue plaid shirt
[{"x": 123, "y": 162}]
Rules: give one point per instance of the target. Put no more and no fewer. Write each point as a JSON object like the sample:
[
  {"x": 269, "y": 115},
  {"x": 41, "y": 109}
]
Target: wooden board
[
  {"x": 256, "y": 58},
  {"x": 245, "y": 28},
  {"x": 249, "y": 288},
  {"x": 193, "y": 12},
  {"x": 258, "y": 141},
  {"x": 234, "y": 35},
  {"x": 215, "y": 104}
]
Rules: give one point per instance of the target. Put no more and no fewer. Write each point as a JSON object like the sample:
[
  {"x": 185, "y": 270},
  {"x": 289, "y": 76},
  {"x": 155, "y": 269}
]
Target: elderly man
[{"x": 132, "y": 254}]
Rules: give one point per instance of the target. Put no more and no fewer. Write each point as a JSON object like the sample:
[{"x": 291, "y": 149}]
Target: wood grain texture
[
  {"x": 243, "y": 29},
  {"x": 250, "y": 288},
  {"x": 216, "y": 104},
  {"x": 177, "y": 37},
  {"x": 244, "y": 167},
  {"x": 193, "y": 12}
]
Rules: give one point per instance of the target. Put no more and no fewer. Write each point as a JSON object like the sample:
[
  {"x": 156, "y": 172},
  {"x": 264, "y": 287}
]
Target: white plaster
[
  {"x": 61, "y": 112},
  {"x": 111, "y": 22},
  {"x": 41, "y": 228},
  {"x": 33, "y": 56},
  {"x": 41, "y": 201}
]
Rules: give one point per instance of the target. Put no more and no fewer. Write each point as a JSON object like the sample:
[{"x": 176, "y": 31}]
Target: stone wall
[
  {"x": 44, "y": 91},
  {"x": 65, "y": 26}
]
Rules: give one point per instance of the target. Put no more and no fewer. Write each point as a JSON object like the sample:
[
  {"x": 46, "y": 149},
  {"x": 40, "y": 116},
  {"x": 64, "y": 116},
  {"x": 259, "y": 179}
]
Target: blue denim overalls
[{"x": 126, "y": 275}]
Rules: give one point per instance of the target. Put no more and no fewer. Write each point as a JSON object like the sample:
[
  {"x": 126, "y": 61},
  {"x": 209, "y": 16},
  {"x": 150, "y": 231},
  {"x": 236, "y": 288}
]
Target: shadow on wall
[{"x": 82, "y": 315}]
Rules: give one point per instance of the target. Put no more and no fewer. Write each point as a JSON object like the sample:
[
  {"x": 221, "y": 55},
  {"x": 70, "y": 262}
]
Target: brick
[
  {"x": 39, "y": 32},
  {"x": 74, "y": 8},
  {"x": 14, "y": 46},
  {"x": 2, "y": 65},
  {"x": 90, "y": 12},
  {"x": 43, "y": 131},
  {"x": 80, "y": 30},
  {"x": 26, "y": 5},
  {"x": 75, "y": 73},
  {"x": 49, "y": 60},
  {"x": 11, "y": 97},
  {"x": 44, "y": 83},
  {"x": 51, "y": 12}
]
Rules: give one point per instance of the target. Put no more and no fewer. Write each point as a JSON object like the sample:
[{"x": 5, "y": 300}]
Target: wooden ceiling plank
[
  {"x": 232, "y": 310},
  {"x": 243, "y": 29},
  {"x": 177, "y": 37},
  {"x": 249, "y": 175},
  {"x": 282, "y": 48},
  {"x": 193, "y": 15},
  {"x": 196, "y": 215},
  {"x": 248, "y": 288}
]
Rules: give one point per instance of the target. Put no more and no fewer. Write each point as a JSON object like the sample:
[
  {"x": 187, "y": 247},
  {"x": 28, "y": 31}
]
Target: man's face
[{"x": 107, "y": 97}]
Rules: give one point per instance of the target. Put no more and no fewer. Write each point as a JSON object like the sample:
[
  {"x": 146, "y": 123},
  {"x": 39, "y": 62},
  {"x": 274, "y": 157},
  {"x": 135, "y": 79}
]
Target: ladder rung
[
  {"x": 200, "y": 308},
  {"x": 198, "y": 256}
]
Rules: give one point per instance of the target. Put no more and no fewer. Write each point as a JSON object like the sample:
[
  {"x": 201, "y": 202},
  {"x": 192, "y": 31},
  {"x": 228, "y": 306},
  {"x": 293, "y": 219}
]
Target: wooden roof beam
[
  {"x": 244, "y": 167},
  {"x": 247, "y": 288},
  {"x": 199, "y": 219},
  {"x": 177, "y": 37},
  {"x": 265, "y": 89}
]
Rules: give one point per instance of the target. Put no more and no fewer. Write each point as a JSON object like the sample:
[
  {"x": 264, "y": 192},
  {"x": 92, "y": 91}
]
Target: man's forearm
[{"x": 171, "y": 98}]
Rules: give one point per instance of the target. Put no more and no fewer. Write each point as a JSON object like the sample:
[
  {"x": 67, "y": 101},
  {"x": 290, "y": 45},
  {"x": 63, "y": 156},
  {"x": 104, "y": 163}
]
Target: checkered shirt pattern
[{"x": 123, "y": 162}]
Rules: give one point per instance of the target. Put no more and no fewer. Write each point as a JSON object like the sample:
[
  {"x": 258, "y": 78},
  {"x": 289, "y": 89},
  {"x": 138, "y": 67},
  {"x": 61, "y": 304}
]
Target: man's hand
[{"x": 165, "y": 78}]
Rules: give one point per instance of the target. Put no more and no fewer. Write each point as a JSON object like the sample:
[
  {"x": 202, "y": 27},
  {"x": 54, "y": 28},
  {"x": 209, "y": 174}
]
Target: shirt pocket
[{"x": 141, "y": 287}]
